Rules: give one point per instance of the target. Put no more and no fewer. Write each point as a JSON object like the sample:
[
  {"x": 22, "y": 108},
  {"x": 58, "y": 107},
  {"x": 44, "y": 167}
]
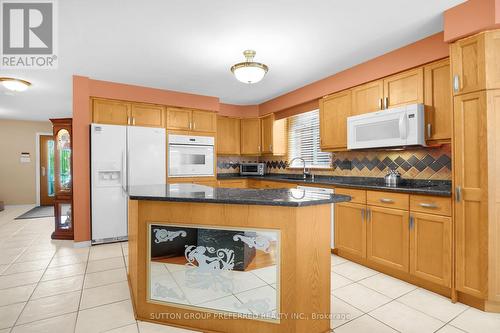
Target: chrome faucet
[{"x": 305, "y": 173}]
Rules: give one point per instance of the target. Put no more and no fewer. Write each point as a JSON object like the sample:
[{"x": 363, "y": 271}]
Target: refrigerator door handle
[{"x": 124, "y": 171}]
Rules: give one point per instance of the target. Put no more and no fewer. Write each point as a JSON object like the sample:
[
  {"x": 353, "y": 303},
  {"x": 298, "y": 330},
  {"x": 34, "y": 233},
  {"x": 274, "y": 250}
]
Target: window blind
[{"x": 304, "y": 141}]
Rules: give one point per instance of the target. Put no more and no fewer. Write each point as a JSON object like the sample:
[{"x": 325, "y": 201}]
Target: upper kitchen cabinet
[
  {"x": 334, "y": 110},
  {"x": 404, "y": 88},
  {"x": 438, "y": 100},
  {"x": 250, "y": 136},
  {"x": 228, "y": 135},
  {"x": 273, "y": 134},
  {"x": 148, "y": 115},
  {"x": 475, "y": 63},
  {"x": 191, "y": 120},
  {"x": 110, "y": 112},
  {"x": 367, "y": 98}
]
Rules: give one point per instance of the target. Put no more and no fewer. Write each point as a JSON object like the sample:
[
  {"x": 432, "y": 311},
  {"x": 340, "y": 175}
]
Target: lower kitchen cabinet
[
  {"x": 388, "y": 236},
  {"x": 232, "y": 183},
  {"x": 430, "y": 247},
  {"x": 350, "y": 229}
]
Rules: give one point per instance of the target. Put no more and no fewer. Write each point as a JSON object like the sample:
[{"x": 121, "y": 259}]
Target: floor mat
[{"x": 37, "y": 212}]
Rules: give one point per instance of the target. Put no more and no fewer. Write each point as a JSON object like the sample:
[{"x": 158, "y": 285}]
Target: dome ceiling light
[
  {"x": 249, "y": 71},
  {"x": 14, "y": 84}
]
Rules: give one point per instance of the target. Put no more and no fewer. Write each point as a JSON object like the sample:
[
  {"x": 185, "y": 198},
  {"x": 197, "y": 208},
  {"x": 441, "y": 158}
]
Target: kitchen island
[{"x": 231, "y": 260}]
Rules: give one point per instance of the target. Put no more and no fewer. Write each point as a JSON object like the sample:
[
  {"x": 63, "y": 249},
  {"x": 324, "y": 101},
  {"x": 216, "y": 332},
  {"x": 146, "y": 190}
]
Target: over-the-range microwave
[{"x": 396, "y": 127}]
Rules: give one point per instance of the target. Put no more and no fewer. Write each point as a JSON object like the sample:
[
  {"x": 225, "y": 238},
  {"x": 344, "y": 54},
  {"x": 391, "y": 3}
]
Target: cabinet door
[
  {"x": 430, "y": 248},
  {"x": 204, "y": 121},
  {"x": 228, "y": 136},
  {"x": 266, "y": 124},
  {"x": 179, "y": 119},
  {"x": 471, "y": 207},
  {"x": 468, "y": 66},
  {"x": 404, "y": 88},
  {"x": 388, "y": 237},
  {"x": 232, "y": 183},
  {"x": 147, "y": 115},
  {"x": 250, "y": 136},
  {"x": 367, "y": 98},
  {"x": 334, "y": 111},
  {"x": 438, "y": 100},
  {"x": 350, "y": 229},
  {"x": 110, "y": 112}
]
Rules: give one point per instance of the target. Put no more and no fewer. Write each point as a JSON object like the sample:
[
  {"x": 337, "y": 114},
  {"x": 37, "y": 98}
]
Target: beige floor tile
[
  {"x": 64, "y": 271},
  {"x": 109, "y": 293},
  {"x": 34, "y": 256},
  {"x": 105, "y": 251},
  {"x": 105, "y": 264},
  {"x": 28, "y": 266},
  {"x": 106, "y": 317},
  {"x": 3, "y": 268},
  {"x": 342, "y": 312},
  {"x": 450, "y": 329},
  {"x": 336, "y": 260},
  {"x": 364, "y": 324},
  {"x": 145, "y": 327},
  {"x": 105, "y": 277},
  {"x": 68, "y": 260},
  {"x": 59, "y": 324},
  {"x": 16, "y": 294},
  {"x": 59, "y": 286},
  {"x": 19, "y": 279},
  {"x": 338, "y": 281},
  {"x": 476, "y": 321},
  {"x": 49, "y": 307},
  {"x": 132, "y": 328},
  {"x": 361, "y": 297},
  {"x": 433, "y": 304},
  {"x": 72, "y": 251},
  {"x": 387, "y": 285},
  {"x": 9, "y": 314},
  {"x": 353, "y": 271},
  {"x": 406, "y": 319}
]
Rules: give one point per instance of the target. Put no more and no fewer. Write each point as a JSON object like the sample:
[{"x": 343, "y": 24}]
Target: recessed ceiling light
[
  {"x": 13, "y": 84},
  {"x": 249, "y": 71}
]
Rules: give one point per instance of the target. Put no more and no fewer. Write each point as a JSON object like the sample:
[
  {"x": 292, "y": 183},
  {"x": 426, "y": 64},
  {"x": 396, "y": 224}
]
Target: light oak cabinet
[
  {"x": 475, "y": 63},
  {"x": 471, "y": 180},
  {"x": 250, "y": 136},
  {"x": 228, "y": 135},
  {"x": 404, "y": 88},
  {"x": 431, "y": 247},
  {"x": 367, "y": 98},
  {"x": 438, "y": 100},
  {"x": 232, "y": 183},
  {"x": 388, "y": 237},
  {"x": 350, "y": 229},
  {"x": 115, "y": 112},
  {"x": 191, "y": 120},
  {"x": 334, "y": 110},
  {"x": 274, "y": 138}
]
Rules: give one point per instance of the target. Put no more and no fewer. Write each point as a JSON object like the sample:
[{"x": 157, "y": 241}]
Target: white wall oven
[{"x": 190, "y": 156}]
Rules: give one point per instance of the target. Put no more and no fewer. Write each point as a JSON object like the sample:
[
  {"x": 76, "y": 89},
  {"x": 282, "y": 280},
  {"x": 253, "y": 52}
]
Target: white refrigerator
[{"x": 121, "y": 156}]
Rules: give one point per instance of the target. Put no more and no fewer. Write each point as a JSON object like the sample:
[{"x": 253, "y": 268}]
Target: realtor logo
[{"x": 28, "y": 34}]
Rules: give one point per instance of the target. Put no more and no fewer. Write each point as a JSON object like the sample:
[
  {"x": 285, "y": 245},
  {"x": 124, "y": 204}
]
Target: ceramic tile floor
[{"x": 49, "y": 286}]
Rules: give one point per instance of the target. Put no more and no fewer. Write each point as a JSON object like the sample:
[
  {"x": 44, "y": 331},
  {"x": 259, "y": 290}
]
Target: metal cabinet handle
[
  {"x": 128, "y": 120},
  {"x": 458, "y": 194},
  {"x": 456, "y": 83},
  {"x": 133, "y": 120},
  {"x": 190, "y": 125},
  {"x": 428, "y": 205},
  {"x": 385, "y": 200},
  {"x": 258, "y": 148},
  {"x": 429, "y": 130},
  {"x": 270, "y": 147},
  {"x": 194, "y": 125},
  {"x": 386, "y": 102},
  {"x": 380, "y": 104},
  {"x": 412, "y": 222}
]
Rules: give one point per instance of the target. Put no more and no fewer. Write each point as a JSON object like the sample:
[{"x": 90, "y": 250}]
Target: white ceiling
[{"x": 189, "y": 45}]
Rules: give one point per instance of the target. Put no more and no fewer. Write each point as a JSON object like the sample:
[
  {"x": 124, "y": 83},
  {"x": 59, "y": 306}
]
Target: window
[{"x": 304, "y": 141}]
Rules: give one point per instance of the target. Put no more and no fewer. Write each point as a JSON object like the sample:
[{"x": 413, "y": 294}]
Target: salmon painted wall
[
  {"x": 471, "y": 17},
  {"x": 242, "y": 111},
  {"x": 413, "y": 55}
]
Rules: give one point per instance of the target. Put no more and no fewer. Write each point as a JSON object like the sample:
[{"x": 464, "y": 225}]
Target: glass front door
[{"x": 47, "y": 190}]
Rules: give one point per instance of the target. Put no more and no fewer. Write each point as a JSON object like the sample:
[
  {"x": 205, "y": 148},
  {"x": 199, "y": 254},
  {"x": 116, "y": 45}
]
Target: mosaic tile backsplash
[{"x": 413, "y": 163}]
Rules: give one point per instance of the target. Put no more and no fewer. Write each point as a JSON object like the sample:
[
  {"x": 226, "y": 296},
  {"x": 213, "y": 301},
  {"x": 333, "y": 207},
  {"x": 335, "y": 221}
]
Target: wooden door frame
[{"x": 37, "y": 167}]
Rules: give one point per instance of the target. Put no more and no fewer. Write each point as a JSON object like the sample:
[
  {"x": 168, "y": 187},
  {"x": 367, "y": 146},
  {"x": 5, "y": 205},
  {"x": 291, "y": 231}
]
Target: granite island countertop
[
  {"x": 182, "y": 192},
  {"x": 411, "y": 186}
]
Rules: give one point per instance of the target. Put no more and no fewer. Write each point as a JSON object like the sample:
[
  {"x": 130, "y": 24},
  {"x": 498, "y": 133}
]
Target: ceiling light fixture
[
  {"x": 14, "y": 84},
  {"x": 249, "y": 71}
]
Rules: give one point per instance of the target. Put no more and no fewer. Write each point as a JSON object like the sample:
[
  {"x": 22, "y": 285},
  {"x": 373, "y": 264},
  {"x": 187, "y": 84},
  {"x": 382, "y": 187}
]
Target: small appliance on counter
[
  {"x": 392, "y": 178},
  {"x": 252, "y": 169}
]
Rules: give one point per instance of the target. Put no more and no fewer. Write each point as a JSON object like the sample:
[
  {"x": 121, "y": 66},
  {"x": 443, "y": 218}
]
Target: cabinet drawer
[
  {"x": 430, "y": 204},
  {"x": 387, "y": 199},
  {"x": 357, "y": 196}
]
